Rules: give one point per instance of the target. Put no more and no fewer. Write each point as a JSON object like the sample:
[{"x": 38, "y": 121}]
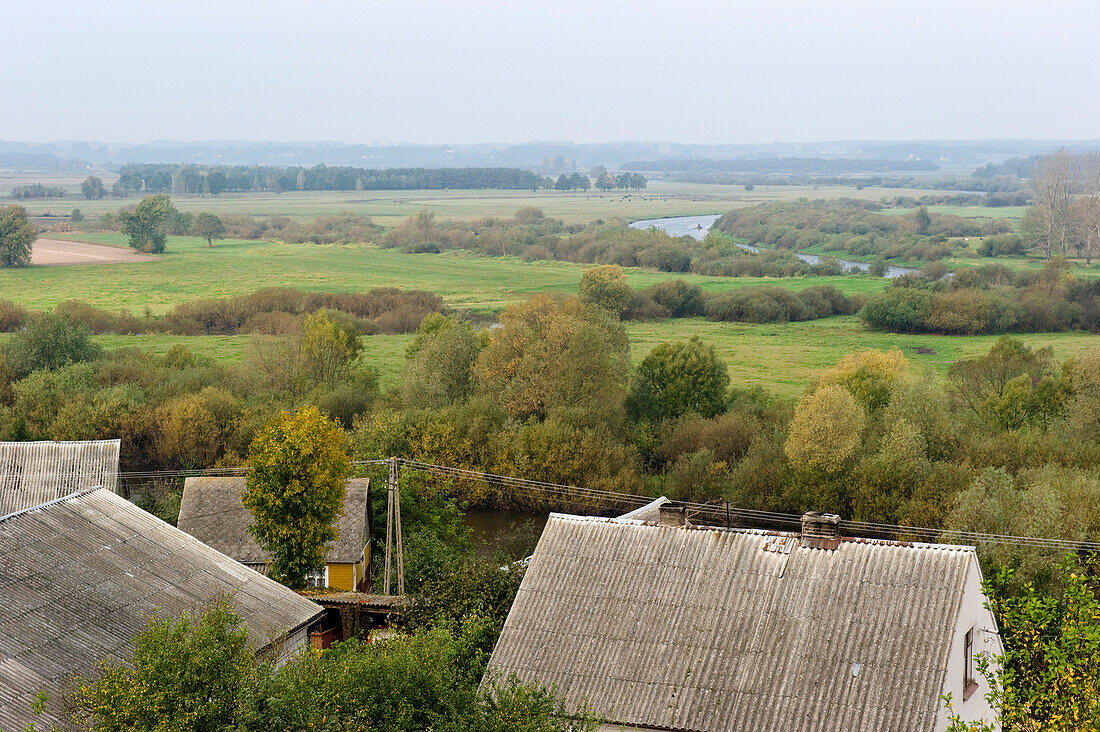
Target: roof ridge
[{"x": 762, "y": 532}]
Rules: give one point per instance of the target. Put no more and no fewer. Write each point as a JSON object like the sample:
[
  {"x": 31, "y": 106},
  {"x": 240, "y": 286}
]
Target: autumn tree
[
  {"x": 328, "y": 350},
  {"x": 208, "y": 226},
  {"x": 606, "y": 286},
  {"x": 922, "y": 221},
  {"x": 1047, "y": 221},
  {"x": 870, "y": 376},
  {"x": 826, "y": 429},
  {"x": 551, "y": 355},
  {"x": 679, "y": 378},
  {"x": 147, "y": 226},
  {"x": 16, "y": 237},
  {"x": 295, "y": 491}
]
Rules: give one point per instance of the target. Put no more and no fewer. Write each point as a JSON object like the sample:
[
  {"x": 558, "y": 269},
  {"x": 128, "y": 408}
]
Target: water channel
[{"x": 698, "y": 226}]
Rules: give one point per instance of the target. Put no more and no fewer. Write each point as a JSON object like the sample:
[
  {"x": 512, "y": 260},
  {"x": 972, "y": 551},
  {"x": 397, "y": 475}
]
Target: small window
[
  {"x": 317, "y": 578},
  {"x": 970, "y": 681}
]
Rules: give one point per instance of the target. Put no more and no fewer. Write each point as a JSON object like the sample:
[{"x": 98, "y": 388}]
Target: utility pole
[{"x": 393, "y": 523}]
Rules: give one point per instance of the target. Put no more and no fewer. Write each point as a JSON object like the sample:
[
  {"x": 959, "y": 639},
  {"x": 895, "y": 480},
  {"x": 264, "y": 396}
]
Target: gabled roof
[
  {"x": 80, "y": 576},
  {"x": 699, "y": 628},
  {"x": 212, "y": 512},
  {"x": 32, "y": 473}
]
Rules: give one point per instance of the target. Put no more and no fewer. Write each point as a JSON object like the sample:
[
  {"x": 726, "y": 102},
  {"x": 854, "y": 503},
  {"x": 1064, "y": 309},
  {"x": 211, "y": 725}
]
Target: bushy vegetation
[
  {"x": 853, "y": 228},
  {"x": 988, "y": 299}
]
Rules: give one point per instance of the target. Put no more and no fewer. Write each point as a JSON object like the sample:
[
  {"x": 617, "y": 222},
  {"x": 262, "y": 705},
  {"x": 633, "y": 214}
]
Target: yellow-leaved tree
[
  {"x": 295, "y": 491},
  {"x": 825, "y": 430}
]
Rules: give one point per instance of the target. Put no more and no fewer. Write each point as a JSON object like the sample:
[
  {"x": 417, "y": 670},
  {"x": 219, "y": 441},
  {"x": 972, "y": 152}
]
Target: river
[{"x": 698, "y": 226}]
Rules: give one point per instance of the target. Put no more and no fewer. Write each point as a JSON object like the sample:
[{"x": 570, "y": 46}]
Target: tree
[
  {"x": 606, "y": 286},
  {"x": 1047, "y": 221},
  {"x": 76, "y": 216},
  {"x": 49, "y": 342},
  {"x": 563, "y": 183},
  {"x": 208, "y": 226},
  {"x": 826, "y": 429},
  {"x": 922, "y": 221},
  {"x": 16, "y": 237},
  {"x": 92, "y": 188},
  {"x": 439, "y": 362},
  {"x": 680, "y": 378},
  {"x": 328, "y": 350},
  {"x": 606, "y": 181},
  {"x": 1085, "y": 218},
  {"x": 295, "y": 491},
  {"x": 184, "y": 674},
  {"x": 147, "y": 226}
]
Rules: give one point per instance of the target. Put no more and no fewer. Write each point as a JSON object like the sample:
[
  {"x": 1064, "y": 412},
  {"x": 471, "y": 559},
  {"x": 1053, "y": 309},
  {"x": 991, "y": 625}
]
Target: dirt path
[{"x": 55, "y": 252}]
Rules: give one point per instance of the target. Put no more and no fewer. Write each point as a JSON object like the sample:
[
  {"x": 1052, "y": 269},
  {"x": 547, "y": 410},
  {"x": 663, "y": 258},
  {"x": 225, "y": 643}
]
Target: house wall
[
  {"x": 972, "y": 614},
  {"x": 341, "y": 576}
]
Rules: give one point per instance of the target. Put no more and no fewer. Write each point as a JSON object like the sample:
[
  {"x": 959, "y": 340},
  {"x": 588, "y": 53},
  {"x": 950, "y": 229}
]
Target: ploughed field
[{"x": 59, "y": 252}]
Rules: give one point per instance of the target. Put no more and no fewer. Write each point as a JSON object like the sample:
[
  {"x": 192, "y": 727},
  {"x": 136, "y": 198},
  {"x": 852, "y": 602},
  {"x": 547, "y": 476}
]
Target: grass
[
  {"x": 189, "y": 270},
  {"x": 388, "y": 208},
  {"x": 780, "y": 357}
]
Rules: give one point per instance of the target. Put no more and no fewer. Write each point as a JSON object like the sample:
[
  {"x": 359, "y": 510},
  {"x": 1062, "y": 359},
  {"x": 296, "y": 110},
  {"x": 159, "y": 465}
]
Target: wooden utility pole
[{"x": 393, "y": 524}]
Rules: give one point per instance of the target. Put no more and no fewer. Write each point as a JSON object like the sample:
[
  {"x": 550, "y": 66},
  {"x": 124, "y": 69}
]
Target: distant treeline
[
  {"x": 781, "y": 165},
  {"x": 36, "y": 190},
  {"x": 215, "y": 179}
]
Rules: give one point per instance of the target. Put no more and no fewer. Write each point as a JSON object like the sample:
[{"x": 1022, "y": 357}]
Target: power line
[{"x": 710, "y": 510}]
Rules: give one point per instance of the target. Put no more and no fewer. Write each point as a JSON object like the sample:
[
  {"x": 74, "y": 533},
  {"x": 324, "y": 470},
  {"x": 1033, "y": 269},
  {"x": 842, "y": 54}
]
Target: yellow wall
[{"x": 340, "y": 577}]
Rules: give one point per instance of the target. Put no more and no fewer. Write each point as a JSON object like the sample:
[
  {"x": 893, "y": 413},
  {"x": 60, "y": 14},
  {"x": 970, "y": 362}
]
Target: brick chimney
[
  {"x": 672, "y": 515},
  {"x": 820, "y": 530}
]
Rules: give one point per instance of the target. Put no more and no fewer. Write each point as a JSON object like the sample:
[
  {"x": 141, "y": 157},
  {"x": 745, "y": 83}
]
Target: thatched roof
[
  {"x": 212, "y": 512},
  {"x": 32, "y": 473},
  {"x": 80, "y": 576},
  {"x": 700, "y": 628}
]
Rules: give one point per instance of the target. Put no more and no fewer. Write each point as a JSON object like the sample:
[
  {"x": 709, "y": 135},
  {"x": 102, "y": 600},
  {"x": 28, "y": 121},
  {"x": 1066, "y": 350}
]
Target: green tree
[
  {"x": 439, "y": 363},
  {"x": 606, "y": 181},
  {"x": 16, "y": 237},
  {"x": 147, "y": 226},
  {"x": 680, "y": 378},
  {"x": 184, "y": 674},
  {"x": 76, "y": 216},
  {"x": 49, "y": 342},
  {"x": 922, "y": 221},
  {"x": 208, "y": 226},
  {"x": 606, "y": 286},
  {"x": 92, "y": 188},
  {"x": 328, "y": 349},
  {"x": 295, "y": 491}
]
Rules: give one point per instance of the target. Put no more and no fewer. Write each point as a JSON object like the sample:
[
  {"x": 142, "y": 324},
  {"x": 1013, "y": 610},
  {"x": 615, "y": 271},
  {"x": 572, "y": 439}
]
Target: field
[{"x": 780, "y": 357}]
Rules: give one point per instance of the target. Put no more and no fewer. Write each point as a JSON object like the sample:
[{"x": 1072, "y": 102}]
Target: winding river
[{"x": 698, "y": 226}]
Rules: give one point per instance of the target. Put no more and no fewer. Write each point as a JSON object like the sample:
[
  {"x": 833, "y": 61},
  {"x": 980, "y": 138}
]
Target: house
[
  {"x": 81, "y": 575},
  {"x": 212, "y": 512},
  {"x": 661, "y": 625},
  {"x": 32, "y": 473}
]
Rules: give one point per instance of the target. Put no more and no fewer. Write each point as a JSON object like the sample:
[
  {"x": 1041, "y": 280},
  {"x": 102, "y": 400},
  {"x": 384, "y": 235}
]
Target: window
[
  {"x": 317, "y": 578},
  {"x": 970, "y": 682}
]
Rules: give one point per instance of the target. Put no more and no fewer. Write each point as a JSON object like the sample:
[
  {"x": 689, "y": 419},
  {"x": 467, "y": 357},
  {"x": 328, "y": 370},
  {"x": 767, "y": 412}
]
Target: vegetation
[
  {"x": 147, "y": 226},
  {"x": 298, "y": 466},
  {"x": 16, "y": 237}
]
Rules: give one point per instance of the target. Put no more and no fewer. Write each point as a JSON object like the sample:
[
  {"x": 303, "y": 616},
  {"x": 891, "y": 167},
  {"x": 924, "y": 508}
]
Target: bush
[
  {"x": 1002, "y": 245},
  {"x": 899, "y": 309},
  {"x": 680, "y": 298},
  {"x": 12, "y": 316},
  {"x": 49, "y": 342},
  {"x": 969, "y": 312}
]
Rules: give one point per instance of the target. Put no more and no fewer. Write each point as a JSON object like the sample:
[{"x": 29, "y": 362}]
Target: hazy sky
[{"x": 594, "y": 70}]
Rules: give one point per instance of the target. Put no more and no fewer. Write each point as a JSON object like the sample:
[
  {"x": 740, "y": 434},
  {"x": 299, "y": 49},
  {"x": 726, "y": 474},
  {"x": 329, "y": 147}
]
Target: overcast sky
[{"x": 430, "y": 71}]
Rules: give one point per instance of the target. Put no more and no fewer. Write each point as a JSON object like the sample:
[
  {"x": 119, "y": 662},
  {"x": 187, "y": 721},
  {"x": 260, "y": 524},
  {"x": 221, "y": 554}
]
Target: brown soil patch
[{"x": 55, "y": 252}]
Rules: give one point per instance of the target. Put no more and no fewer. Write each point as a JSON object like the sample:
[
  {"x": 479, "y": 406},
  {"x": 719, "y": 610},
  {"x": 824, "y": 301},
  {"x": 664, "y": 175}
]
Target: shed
[
  {"x": 660, "y": 625},
  {"x": 80, "y": 576},
  {"x": 212, "y": 512},
  {"x": 32, "y": 473}
]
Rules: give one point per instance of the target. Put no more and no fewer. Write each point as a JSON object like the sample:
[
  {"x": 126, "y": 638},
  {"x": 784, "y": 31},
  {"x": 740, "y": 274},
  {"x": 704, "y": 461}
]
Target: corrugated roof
[
  {"x": 32, "y": 473},
  {"x": 212, "y": 512},
  {"x": 649, "y": 512},
  {"x": 692, "y": 628},
  {"x": 80, "y": 576}
]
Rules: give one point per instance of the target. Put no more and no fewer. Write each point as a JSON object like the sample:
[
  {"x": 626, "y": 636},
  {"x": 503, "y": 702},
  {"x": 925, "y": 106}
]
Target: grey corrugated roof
[
  {"x": 690, "y": 628},
  {"x": 212, "y": 512},
  {"x": 649, "y": 512},
  {"x": 81, "y": 576},
  {"x": 32, "y": 473}
]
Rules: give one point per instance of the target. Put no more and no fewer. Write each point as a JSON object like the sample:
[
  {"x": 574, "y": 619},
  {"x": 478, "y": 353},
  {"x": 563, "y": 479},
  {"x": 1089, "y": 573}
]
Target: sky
[{"x": 465, "y": 71}]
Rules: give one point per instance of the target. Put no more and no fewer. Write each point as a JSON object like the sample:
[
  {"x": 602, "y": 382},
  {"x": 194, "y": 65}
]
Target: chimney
[
  {"x": 672, "y": 515},
  {"x": 820, "y": 530}
]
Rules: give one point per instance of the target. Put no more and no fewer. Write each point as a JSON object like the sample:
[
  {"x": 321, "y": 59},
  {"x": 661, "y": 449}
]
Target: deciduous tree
[
  {"x": 16, "y": 237},
  {"x": 295, "y": 491},
  {"x": 208, "y": 226}
]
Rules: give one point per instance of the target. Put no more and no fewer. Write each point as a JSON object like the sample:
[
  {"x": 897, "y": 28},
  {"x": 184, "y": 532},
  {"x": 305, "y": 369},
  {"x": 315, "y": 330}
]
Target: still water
[{"x": 698, "y": 226}]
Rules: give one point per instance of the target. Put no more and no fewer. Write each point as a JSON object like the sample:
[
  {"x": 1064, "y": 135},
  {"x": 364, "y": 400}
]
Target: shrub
[
  {"x": 970, "y": 312},
  {"x": 49, "y": 342},
  {"x": 899, "y": 309},
  {"x": 273, "y": 323},
  {"x": 681, "y": 299},
  {"x": 12, "y": 316}
]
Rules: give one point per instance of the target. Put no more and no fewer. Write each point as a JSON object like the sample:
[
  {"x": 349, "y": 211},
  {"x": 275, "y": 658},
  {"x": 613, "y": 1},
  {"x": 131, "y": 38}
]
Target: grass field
[
  {"x": 782, "y": 358},
  {"x": 390, "y": 207},
  {"x": 189, "y": 270}
]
